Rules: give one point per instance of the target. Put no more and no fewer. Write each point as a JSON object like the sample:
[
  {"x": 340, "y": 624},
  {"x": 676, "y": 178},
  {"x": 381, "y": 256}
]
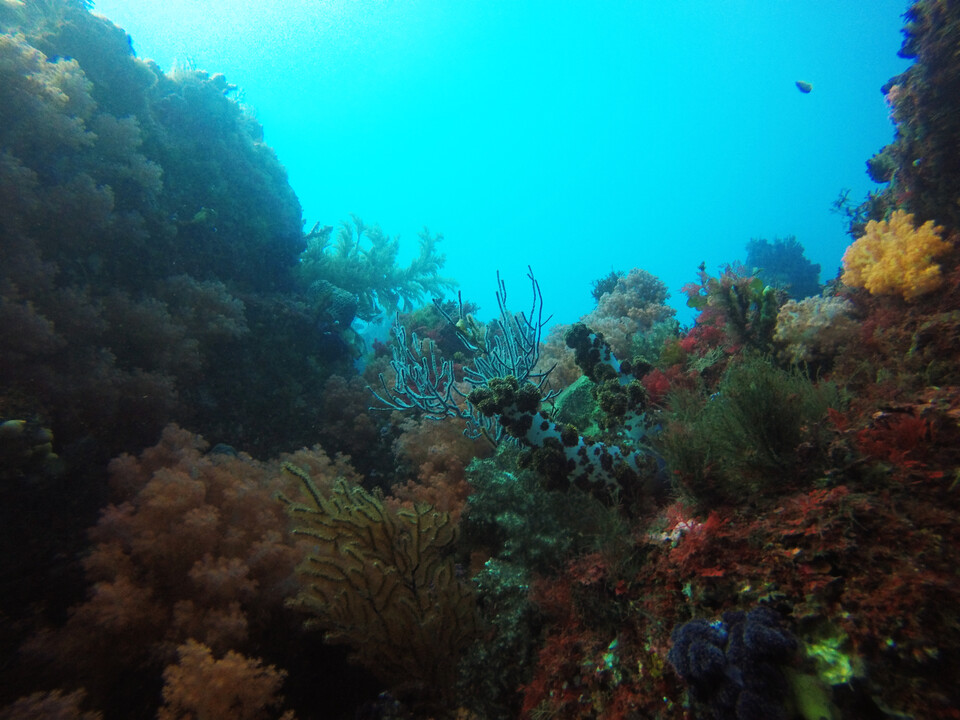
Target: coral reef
[
  {"x": 813, "y": 331},
  {"x": 54, "y": 705},
  {"x": 782, "y": 264},
  {"x": 755, "y": 516},
  {"x": 198, "y": 548},
  {"x": 119, "y": 241},
  {"x": 733, "y": 666},
  {"x": 384, "y": 582},
  {"x": 896, "y": 258},
  {"x": 922, "y": 164},
  {"x": 740, "y": 301},
  {"x": 439, "y": 454},
  {"x": 425, "y": 382},
  {"x": 363, "y": 264},
  {"x": 631, "y": 308}
]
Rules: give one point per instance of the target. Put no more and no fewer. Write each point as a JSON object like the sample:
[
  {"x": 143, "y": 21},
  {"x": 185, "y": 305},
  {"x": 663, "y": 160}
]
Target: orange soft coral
[
  {"x": 896, "y": 258},
  {"x": 200, "y": 686},
  {"x": 439, "y": 452},
  {"x": 55, "y": 705},
  {"x": 199, "y": 549}
]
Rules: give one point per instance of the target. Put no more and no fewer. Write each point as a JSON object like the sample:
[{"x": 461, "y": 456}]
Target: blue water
[{"x": 577, "y": 137}]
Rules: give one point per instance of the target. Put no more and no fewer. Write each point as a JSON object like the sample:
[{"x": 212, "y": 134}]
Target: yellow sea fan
[{"x": 896, "y": 258}]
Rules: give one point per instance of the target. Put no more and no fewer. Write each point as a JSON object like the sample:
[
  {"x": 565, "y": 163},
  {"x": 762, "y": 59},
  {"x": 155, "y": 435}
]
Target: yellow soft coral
[{"x": 894, "y": 257}]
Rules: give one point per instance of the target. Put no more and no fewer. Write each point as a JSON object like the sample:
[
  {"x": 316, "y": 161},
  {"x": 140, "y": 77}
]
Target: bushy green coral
[
  {"x": 494, "y": 667},
  {"x": 760, "y": 433},
  {"x": 512, "y": 515},
  {"x": 528, "y": 531},
  {"x": 363, "y": 261}
]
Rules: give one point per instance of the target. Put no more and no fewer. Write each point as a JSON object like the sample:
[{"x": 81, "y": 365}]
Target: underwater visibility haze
[
  {"x": 619, "y": 133},
  {"x": 479, "y": 360}
]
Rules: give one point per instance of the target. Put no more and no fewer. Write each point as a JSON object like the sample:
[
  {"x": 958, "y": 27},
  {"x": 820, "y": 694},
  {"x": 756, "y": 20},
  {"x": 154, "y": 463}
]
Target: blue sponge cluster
[{"x": 733, "y": 666}]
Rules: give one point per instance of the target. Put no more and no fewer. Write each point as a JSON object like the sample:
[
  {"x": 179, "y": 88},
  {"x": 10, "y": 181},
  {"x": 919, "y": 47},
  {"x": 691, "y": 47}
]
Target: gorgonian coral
[
  {"x": 896, "y": 258},
  {"x": 383, "y": 581}
]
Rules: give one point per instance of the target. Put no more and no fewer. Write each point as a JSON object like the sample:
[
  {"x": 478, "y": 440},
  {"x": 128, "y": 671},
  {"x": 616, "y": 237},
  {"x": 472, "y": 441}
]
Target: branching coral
[
  {"x": 384, "y": 582},
  {"x": 896, "y": 258},
  {"x": 363, "y": 262},
  {"x": 425, "y": 381}
]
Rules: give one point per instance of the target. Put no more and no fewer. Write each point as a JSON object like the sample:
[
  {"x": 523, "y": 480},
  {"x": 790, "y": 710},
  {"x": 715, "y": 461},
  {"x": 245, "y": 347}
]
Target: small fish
[{"x": 804, "y": 86}]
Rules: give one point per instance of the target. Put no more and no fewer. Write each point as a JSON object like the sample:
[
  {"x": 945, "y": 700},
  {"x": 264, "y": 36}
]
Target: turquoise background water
[{"x": 577, "y": 137}]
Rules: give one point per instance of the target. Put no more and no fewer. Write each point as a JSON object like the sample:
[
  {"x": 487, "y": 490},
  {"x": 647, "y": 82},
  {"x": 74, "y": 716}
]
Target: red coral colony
[{"x": 757, "y": 516}]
